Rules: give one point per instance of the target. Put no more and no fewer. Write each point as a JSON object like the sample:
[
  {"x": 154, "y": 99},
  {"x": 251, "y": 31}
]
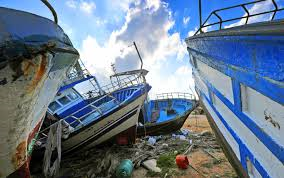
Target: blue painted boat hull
[
  {"x": 239, "y": 74},
  {"x": 165, "y": 124}
]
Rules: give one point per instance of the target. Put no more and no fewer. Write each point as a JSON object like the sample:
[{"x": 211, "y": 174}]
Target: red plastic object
[
  {"x": 121, "y": 140},
  {"x": 182, "y": 161}
]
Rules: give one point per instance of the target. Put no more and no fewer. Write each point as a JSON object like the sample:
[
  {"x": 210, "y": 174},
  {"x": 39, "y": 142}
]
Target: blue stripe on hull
[
  {"x": 244, "y": 151},
  {"x": 102, "y": 131},
  {"x": 264, "y": 85},
  {"x": 256, "y": 53},
  {"x": 269, "y": 142}
]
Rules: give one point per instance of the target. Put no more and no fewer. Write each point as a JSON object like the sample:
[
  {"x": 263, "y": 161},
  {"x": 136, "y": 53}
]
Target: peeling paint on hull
[
  {"x": 238, "y": 75},
  {"x": 25, "y": 103},
  {"x": 34, "y": 60}
]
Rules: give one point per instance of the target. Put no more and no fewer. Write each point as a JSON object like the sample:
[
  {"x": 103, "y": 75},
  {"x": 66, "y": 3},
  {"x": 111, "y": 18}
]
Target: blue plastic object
[{"x": 124, "y": 170}]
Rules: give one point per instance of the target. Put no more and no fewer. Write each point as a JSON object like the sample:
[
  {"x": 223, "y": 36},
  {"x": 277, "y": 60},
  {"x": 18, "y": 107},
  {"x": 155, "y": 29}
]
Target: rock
[
  {"x": 205, "y": 133},
  {"x": 151, "y": 165},
  {"x": 165, "y": 145}
]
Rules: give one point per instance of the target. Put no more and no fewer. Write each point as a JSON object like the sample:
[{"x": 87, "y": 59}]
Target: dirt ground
[{"x": 204, "y": 162}]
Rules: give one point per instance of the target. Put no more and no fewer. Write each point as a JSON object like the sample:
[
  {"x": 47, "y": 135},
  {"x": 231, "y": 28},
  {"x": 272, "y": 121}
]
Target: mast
[
  {"x": 138, "y": 55},
  {"x": 200, "y": 16}
]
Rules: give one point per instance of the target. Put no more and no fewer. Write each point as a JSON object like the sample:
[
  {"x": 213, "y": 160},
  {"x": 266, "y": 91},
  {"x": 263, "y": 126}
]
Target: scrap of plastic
[
  {"x": 151, "y": 140},
  {"x": 182, "y": 137},
  {"x": 185, "y": 132}
]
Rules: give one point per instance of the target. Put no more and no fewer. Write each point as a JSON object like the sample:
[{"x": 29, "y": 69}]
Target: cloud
[
  {"x": 71, "y": 3},
  {"x": 186, "y": 20},
  {"x": 179, "y": 81},
  {"x": 256, "y": 8},
  {"x": 192, "y": 32},
  {"x": 147, "y": 23},
  {"x": 84, "y": 6},
  {"x": 87, "y": 7}
]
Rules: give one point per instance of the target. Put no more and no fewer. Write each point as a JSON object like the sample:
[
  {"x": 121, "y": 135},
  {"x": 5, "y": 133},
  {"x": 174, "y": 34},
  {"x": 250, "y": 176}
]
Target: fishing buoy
[
  {"x": 182, "y": 161},
  {"x": 124, "y": 169}
]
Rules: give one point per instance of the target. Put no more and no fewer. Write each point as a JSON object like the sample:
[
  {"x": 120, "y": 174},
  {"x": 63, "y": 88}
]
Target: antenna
[
  {"x": 138, "y": 54},
  {"x": 114, "y": 71}
]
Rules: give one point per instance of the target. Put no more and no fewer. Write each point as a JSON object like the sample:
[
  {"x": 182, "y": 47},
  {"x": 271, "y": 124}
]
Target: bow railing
[
  {"x": 174, "y": 95},
  {"x": 248, "y": 15},
  {"x": 117, "y": 82}
]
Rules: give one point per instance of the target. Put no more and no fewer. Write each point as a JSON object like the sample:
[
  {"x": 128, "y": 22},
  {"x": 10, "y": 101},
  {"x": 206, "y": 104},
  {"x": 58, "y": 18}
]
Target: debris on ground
[
  {"x": 151, "y": 165},
  {"x": 155, "y": 156}
]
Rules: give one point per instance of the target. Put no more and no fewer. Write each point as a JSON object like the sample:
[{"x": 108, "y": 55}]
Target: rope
[{"x": 53, "y": 143}]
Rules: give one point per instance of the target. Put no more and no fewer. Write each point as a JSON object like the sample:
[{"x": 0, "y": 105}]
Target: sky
[{"x": 103, "y": 31}]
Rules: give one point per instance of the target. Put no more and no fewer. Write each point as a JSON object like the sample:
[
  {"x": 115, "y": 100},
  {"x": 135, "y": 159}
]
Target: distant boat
[
  {"x": 239, "y": 77},
  {"x": 102, "y": 113},
  {"x": 166, "y": 114},
  {"x": 35, "y": 55}
]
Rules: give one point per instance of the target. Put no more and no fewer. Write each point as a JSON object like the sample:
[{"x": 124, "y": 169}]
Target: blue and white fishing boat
[
  {"x": 166, "y": 114},
  {"x": 239, "y": 74},
  {"x": 101, "y": 113},
  {"x": 35, "y": 55}
]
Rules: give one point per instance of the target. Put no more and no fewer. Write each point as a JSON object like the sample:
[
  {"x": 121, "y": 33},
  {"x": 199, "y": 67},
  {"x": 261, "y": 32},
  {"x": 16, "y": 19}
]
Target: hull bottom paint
[
  {"x": 107, "y": 128},
  {"x": 162, "y": 128}
]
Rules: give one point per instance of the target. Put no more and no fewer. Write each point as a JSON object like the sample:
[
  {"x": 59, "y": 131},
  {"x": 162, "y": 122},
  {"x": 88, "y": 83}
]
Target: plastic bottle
[{"x": 124, "y": 169}]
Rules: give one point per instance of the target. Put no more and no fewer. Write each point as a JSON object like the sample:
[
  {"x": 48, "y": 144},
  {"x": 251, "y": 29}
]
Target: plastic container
[
  {"x": 122, "y": 140},
  {"x": 124, "y": 169},
  {"x": 182, "y": 161}
]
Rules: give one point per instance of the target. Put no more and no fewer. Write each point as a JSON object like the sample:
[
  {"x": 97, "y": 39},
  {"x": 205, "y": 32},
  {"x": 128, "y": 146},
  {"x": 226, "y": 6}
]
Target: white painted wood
[
  {"x": 266, "y": 113},
  {"x": 23, "y": 106},
  {"x": 201, "y": 85},
  {"x": 252, "y": 171},
  {"x": 219, "y": 80},
  {"x": 73, "y": 141},
  {"x": 270, "y": 162},
  {"x": 229, "y": 138}
]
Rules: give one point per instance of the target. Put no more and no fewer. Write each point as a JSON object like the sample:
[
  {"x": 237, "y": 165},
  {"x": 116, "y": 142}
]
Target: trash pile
[
  {"x": 103, "y": 162},
  {"x": 156, "y": 154}
]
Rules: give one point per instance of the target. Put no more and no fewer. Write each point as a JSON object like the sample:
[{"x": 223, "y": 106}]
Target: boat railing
[
  {"x": 174, "y": 95},
  {"x": 75, "y": 76},
  {"x": 246, "y": 17},
  {"x": 116, "y": 84},
  {"x": 48, "y": 5},
  {"x": 95, "y": 109}
]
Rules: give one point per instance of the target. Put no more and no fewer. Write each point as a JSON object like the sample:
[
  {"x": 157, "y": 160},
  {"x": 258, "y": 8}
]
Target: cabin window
[
  {"x": 72, "y": 95},
  {"x": 64, "y": 100},
  {"x": 54, "y": 106}
]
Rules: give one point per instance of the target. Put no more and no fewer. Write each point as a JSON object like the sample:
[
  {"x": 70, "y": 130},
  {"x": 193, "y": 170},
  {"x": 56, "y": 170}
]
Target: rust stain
[
  {"x": 270, "y": 119},
  {"x": 20, "y": 155},
  {"x": 27, "y": 64},
  {"x": 40, "y": 71}
]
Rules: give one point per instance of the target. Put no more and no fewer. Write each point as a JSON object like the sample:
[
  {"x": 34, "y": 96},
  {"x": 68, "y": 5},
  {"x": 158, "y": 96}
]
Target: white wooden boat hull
[
  {"x": 24, "y": 104},
  {"x": 118, "y": 121}
]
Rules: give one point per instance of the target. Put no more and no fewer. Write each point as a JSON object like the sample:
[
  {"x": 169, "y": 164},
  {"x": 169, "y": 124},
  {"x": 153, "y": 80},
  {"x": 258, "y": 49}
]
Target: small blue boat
[
  {"x": 166, "y": 114},
  {"x": 100, "y": 114},
  {"x": 239, "y": 77}
]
